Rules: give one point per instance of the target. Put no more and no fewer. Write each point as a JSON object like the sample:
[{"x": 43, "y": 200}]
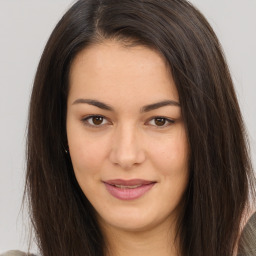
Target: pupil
[
  {"x": 97, "y": 120},
  {"x": 160, "y": 121}
]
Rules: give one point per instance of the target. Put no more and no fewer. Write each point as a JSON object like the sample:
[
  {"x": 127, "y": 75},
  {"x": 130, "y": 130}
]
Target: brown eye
[
  {"x": 97, "y": 120},
  {"x": 160, "y": 121}
]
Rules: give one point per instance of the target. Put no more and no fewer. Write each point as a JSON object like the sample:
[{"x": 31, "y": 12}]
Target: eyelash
[
  {"x": 85, "y": 120},
  {"x": 167, "y": 121}
]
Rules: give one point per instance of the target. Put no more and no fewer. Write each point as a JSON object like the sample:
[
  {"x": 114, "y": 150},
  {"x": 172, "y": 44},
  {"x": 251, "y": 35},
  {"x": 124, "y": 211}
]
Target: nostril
[
  {"x": 126, "y": 151},
  {"x": 126, "y": 159}
]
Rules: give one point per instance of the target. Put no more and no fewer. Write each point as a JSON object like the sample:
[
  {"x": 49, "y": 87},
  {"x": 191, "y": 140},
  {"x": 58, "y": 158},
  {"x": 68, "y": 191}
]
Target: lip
[{"x": 128, "y": 189}]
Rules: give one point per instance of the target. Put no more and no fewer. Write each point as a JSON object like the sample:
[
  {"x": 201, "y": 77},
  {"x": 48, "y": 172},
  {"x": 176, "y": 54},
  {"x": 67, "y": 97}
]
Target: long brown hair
[{"x": 221, "y": 174}]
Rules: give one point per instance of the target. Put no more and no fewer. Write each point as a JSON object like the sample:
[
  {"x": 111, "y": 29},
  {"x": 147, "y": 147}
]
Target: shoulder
[
  {"x": 16, "y": 253},
  {"x": 247, "y": 242}
]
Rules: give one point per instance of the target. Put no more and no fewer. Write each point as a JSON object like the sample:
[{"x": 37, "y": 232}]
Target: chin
[{"x": 134, "y": 220}]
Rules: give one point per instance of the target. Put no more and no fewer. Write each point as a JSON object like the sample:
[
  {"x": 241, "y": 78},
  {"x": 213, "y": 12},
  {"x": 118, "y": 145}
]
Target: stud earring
[{"x": 66, "y": 149}]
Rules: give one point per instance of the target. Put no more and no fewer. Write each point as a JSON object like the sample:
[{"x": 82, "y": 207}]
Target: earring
[{"x": 66, "y": 149}]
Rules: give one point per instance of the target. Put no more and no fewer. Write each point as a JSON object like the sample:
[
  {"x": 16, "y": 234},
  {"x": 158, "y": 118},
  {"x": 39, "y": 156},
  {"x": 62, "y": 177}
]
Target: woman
[{"x": 136, "y": 144}]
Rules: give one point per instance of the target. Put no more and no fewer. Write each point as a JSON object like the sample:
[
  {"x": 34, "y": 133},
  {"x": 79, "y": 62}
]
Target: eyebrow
[
  {"x": 160, "y": 104},
  {"x": 146, "y": 108},
  {"x": 94, "y": 103}
]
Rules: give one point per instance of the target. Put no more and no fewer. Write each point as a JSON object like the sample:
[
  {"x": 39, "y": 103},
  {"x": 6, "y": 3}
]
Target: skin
[{"x": 128, "y": 143}]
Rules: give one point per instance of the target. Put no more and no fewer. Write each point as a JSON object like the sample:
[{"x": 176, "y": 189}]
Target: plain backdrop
[{"x": 24, "y": 29}]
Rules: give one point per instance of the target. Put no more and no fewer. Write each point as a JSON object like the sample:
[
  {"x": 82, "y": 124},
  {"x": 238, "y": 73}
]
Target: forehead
[{"x": 111, "y": 70}]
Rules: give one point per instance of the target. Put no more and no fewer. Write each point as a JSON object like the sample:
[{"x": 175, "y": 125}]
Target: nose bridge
[{"x": 127, "y": 149}]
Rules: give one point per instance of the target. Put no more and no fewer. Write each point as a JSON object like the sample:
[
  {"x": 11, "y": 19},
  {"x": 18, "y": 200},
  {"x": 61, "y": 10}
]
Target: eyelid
[
  {"x": 86, "y": 118},
  {"x": 168, "y": 120},
  {"x": 85, "y": 121}
]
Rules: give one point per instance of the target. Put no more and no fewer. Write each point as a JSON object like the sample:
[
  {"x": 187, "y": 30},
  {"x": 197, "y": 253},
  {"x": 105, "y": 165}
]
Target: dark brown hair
[{"x": 220, "y": 170}]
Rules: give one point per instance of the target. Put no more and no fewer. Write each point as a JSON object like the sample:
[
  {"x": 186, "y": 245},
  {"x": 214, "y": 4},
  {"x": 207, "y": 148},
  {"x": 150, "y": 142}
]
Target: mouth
[{"x": 128, "y": 189}]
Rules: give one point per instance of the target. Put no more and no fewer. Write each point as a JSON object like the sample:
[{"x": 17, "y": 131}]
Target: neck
[{"x": 157, "y": 241}]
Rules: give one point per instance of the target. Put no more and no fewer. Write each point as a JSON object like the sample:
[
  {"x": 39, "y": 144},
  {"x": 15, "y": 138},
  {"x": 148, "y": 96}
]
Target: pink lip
[{"x": 128, "y": 193}]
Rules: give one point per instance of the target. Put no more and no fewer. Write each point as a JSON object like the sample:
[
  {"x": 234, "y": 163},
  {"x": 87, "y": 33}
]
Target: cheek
[
  {"x": 86, "y": 156},
  {"x": 170, "y": 155},
  {"x": 87, "y": 164},
  {"x": 172, "y": 162},
  {"x": 87, "y": 152}
]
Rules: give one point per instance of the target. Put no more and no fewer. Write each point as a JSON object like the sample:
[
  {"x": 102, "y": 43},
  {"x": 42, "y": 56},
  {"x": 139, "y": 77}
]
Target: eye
[
  {"x": 94, "y": 120},
  {"x": 160, "y": 121}
]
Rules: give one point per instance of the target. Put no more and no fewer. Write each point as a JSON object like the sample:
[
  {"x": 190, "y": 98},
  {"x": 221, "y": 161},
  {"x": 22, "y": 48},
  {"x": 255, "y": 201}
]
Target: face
[{"x": 126, "y": 135}]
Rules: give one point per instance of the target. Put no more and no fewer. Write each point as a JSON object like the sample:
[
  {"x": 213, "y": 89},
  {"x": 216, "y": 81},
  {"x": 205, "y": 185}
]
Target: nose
[{"x": 127, "y": 148}]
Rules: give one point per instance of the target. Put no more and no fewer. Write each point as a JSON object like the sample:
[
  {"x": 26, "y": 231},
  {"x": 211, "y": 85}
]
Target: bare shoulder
[
  {"x": 247, "y": 242},
  {"x": 16, "y": 253}
]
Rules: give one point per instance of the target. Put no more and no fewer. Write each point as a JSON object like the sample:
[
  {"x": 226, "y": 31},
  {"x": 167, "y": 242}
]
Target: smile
[
  {"x": 128, "y": 189},
  {"x": 123, "y": 186}
]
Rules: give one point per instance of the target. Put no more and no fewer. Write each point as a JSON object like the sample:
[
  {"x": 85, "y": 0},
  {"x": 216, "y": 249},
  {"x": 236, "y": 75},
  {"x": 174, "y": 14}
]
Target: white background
[{"x": 24, "y": 29}]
